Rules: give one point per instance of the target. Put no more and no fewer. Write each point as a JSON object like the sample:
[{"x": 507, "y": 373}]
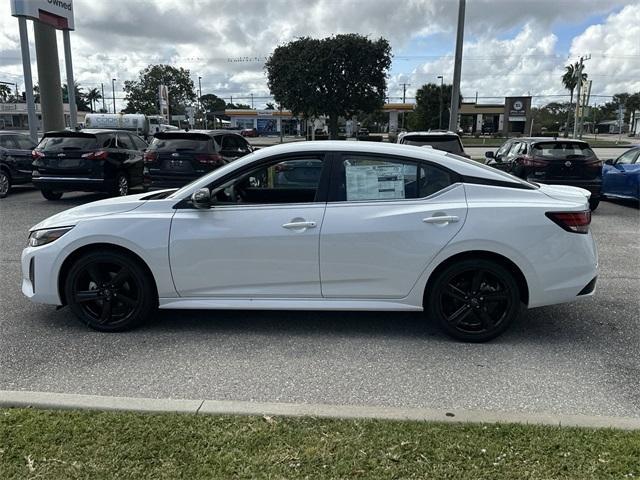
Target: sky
[{"x": 511, "y": 47}]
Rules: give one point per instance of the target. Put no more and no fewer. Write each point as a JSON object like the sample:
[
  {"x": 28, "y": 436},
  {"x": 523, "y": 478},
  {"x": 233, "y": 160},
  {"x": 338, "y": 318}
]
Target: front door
[
  {"x": 390, "y": 218},
  {"x": 259, "y": 239}
]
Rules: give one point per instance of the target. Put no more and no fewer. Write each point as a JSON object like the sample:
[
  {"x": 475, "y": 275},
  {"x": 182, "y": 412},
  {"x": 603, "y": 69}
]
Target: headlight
[{"x": 42, "y": 237}]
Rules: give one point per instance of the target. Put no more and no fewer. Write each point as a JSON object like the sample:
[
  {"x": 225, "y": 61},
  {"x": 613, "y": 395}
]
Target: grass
[{"x": 109, "y": 445}]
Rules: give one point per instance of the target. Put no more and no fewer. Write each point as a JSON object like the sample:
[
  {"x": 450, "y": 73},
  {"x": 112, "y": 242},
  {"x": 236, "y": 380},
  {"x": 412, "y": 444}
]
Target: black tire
[
  {"x": 5, "y": 183},
  {"x": 473, "y": 300},
  {"x": 110, "y": 291},
  {"x": 51, "y": 195},
  {"x": 593, "y": 203},
  {"x": 122, "y": 187}
]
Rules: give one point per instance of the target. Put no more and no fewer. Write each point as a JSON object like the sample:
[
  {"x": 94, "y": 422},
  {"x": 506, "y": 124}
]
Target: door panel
[
  {"x": 247, "y": 251},
  {"x": 379, "y": 249}
]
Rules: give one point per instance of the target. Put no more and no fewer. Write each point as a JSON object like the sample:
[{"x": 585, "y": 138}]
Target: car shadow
[{"x": 624, "y": 202}]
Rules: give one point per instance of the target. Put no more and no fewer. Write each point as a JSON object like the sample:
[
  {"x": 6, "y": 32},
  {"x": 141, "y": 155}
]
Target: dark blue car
[{"x": 621, "y": 177}]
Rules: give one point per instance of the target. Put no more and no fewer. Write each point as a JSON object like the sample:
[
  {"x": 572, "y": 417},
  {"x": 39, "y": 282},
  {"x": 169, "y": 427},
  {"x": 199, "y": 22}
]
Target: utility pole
[
  {"x": 404, "y": 98},
  {"x": 457, "y": 67},
  {"x": 104, "y": 106},
  {"x": 113, "y": 91},
  {"x": 440, "y": 111},
  {"x": 578, "y": 74},
  {"x": 252, "y": 101},
  {"x": 587, "y": 97},
  {"x": 200, "y": 102}
]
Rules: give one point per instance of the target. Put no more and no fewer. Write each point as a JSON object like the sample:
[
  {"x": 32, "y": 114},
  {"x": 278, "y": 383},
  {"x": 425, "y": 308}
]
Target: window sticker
[{"x": 374, "y": 182}]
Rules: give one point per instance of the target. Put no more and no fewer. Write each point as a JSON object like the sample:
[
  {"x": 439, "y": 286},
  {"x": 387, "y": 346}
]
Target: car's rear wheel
[
  {"x": 5, "y": 184},
  {"x": 474, "y": 300},
  {"x": 51, "y": 195},
  {"x": 122, "y": 185},
  {"x": 109, "y": 291},
  {"x": 593, "y": 203}
]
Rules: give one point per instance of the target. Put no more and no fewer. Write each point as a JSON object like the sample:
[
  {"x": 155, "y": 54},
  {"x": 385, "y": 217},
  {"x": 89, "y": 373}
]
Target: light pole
[
  {"x": 252, "y": 101},
  {"x": 200, "y": 102},
  {"x": 440, "y": 114},
  {"x": 104, "y": 107},
  {"x": 113, "y": 91},
  {"x": 457, "y": 68}
]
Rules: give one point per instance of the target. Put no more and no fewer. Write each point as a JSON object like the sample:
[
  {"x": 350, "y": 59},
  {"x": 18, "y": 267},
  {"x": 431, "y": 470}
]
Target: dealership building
[
  {"x": 510, "y": 118},
  {"x": 14, "y": 116}
]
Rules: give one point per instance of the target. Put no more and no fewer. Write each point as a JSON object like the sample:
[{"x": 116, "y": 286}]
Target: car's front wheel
[
  {"x": 51, "y": 195},
  {"x": 109, "y": 291},
  {"x": 473, "y": 300}
]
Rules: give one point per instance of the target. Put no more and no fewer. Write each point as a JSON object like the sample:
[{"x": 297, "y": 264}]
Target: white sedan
[{"x": 323, "y": 226}]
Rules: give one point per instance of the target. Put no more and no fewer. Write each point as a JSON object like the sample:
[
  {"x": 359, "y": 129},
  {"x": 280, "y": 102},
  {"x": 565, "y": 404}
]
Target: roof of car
[
  {"x": 218, "y": 131},
  {"x": 429, "y": 132},
  {"x": 548, "y": 139}
]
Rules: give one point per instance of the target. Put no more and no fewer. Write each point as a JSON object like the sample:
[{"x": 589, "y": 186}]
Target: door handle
[
  {"x": 441, "y": 219},
  {"x": 299, "y": 225}
]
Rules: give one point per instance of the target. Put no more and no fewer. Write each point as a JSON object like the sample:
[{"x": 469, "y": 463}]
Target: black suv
[
  {"x": 436, "y": 139},
  {"x": 176, "y": 158},
  {"x": 551, "y": 161},
  {"x": 88, "y": 160},
  {"x": 15, "y": 160}
]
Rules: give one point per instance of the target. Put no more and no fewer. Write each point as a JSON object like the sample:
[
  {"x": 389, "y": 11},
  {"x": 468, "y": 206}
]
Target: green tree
[
  {"x": 426, "y": 116},
  {"x": 212, "y": 103},
  {"x": 93, "y": 96},
  {"x": 238, "y": 106},
  {"x": 81, "y": 102},
  {"x": 142, "y": 94},
  {"x": 336, "y": 76},
  {"x": 570, "y": 82},
  {"x": 5, "y": 92}
]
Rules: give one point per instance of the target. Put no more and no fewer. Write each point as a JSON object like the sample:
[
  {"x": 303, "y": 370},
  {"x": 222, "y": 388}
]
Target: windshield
[
  {"x": 562, "y": 150},
  {"x": 56, "y": 144},
  {"x": 445, "y": 143},
  {"x": 179, "y": 144}
]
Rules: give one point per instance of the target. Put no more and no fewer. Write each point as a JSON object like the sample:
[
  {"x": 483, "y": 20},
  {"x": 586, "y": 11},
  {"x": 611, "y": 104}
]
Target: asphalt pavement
[{"x": 578, "y": 358}]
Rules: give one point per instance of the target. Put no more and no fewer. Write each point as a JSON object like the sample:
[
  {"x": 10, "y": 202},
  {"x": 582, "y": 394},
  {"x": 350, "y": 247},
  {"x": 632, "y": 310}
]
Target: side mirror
[
  {"x": 201, "y": 198},
  {"x": 609, "y": 161},
  {"x": 489, "y": 154}
]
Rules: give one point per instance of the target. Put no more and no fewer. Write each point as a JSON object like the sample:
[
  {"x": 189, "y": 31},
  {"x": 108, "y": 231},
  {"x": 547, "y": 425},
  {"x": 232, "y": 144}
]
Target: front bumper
[{"x": 39, "y": 274}]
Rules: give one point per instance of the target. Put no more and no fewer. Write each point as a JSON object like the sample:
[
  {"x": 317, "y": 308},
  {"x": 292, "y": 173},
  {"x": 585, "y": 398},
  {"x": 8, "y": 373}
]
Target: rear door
[
  {"x": 181, "y": 155},
  {"x": 70, "y": 154},
  {"x": 566, "y": 160},
  {"x": 387, "y": 218}
]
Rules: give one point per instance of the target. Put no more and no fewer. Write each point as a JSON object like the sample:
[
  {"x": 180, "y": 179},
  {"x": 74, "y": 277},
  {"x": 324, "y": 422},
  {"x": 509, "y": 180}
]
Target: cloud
[{"x": 116, "y": 39}]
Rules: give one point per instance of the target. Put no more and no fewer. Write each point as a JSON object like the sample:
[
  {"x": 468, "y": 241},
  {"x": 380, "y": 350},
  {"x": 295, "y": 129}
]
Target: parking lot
[{"x": 580, "y": 358}]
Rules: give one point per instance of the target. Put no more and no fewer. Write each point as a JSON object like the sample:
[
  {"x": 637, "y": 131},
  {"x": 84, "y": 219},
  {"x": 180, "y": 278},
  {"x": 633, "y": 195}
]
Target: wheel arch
[
  {"x": 518, "y": 275},
  {"x": 92, "y": 247}
]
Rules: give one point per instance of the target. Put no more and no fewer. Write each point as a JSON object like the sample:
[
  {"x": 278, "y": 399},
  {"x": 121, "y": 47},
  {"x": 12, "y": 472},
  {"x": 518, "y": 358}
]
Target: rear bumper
[
  {"x": 73, "y": 184},
  {"x": 594, "y": 186}
]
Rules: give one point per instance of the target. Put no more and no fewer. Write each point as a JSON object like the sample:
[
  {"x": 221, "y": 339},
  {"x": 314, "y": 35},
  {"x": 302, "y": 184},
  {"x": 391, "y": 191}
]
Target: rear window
[
  {"x": 560, "y": 150},
  {"x": 54, "y": 144},
  {"x": 445, "y": 143},
  {"x": 180, "y": 144}
]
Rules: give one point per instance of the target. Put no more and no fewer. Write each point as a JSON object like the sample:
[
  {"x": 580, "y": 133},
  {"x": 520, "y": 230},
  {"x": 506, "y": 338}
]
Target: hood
[
  {"x": 566, "y": 193},
  {"x": 94, "y": 209}
]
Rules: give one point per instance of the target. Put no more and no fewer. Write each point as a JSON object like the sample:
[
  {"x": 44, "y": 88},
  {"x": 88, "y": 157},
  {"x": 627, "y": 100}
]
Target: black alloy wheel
[
  {"x": 122, "y": 185},
  {"x": 109, "y": 292},
  {"x": 51, "y": 195},
  {"x": 474, "y": 300},
  {"x": 5, "y": 184}
]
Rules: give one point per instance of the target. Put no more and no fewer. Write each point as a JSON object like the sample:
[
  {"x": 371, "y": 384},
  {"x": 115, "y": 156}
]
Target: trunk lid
[{"x": 69, "y": 153}]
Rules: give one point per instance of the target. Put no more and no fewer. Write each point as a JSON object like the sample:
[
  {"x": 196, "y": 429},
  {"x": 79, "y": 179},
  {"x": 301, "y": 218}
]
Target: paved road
[{"x": 581, "y": 358}]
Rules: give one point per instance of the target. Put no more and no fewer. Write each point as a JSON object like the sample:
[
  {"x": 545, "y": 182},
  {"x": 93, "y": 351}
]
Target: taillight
[
  {"x": 36, "y": 154},
  {"x": 534, "y": 162},
  {"x": 209, "y": 158},
  {"x": 150, "y": 157},
  {"x": 97, "y": 155},
  {"x": 576, "y": 222},
  {"x": 593, "y": 164}
]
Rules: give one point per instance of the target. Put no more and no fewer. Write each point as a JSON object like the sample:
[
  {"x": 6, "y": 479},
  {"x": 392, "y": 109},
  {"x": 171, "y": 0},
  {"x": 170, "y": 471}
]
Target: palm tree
[
  {"x": 570, "y": 82},
  {"x": 5, "y": 91},
  {"x": 93, "y": 96},
  {"x": 81, "y": 102}
]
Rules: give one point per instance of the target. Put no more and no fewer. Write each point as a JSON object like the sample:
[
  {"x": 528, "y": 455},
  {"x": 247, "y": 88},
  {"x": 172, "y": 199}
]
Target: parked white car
[{"x": 323, "y": 226}]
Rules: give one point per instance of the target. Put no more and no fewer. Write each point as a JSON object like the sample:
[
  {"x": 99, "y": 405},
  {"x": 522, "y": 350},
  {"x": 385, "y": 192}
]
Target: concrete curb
[{"x": 25, "y": 399}]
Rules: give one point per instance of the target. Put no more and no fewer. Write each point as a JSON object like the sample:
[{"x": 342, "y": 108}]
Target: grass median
[{"x": 106, "y": 445}]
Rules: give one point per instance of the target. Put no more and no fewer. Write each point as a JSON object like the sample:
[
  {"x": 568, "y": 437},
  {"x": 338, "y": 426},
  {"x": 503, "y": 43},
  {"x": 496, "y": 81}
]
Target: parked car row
[{"x": 113, "y": 161}]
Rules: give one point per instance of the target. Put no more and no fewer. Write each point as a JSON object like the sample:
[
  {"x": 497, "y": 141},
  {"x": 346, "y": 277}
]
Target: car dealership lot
[{"x": 575, "y": 358}]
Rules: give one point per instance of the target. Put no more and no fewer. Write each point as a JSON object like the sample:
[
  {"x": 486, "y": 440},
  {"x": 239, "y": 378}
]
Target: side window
[
  {"x": 366, "y": 178},
  {"x": 139, "y": 144},
  {"x": 294, "y": 180},
  {"x": 124, "y": 141},
  {"x": 626, "y": 158},
  {"x": 6, "y": 142},
  {"x": 504, "y": 149}
]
